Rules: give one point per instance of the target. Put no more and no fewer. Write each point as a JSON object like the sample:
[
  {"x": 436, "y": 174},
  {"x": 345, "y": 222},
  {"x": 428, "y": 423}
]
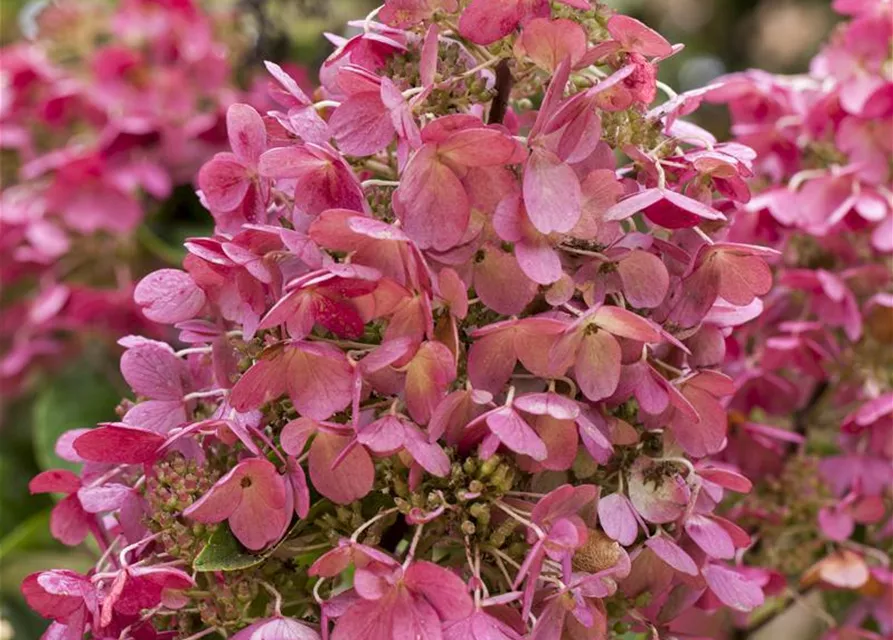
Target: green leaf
[
  {"x": 78, "y": 397},
  {"x": 224, "y": 553},
  {"x": 33, "y": 532}
]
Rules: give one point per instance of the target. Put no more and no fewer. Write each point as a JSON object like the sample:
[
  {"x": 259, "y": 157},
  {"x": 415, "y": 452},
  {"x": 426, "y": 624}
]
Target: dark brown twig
[{"x": 504, "y": 83}]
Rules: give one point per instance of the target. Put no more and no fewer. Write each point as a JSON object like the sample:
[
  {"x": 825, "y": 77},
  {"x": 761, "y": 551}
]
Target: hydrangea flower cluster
[
  {"x": 109, "y": 108},
  {"x": 813, "y": 405},
  {"x": 449, "y": 363}
]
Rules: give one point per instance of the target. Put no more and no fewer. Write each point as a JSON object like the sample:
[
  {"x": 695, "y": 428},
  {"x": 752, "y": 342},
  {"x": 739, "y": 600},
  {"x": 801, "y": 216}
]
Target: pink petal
[
  {"x": 354, "y": 477},
  {"x": 484, "y": 21},
  {"x": 223, "y": 182},
  {"x": 221, "y": 500},
  {"x": 516, "y": 434},
  {"x": 627, "y": 324},
  {"x": 478, "y": 147},
  {"x": 552, "y": 193},
  {"x": 432, "y": 203},
  {"x": 548, "y": 42},
  {"x": 247, "y": 133},
  {"x": 69, "y": 523},
  {"x": 645, "y": 279},
  {"x": 708, "y": 435},
  {"x": 430, "y": 372},
  {"x": 538, "y": 260},
  {"x": 597, "y": 366},
  {"x": 361, "y": 125},
  {"x": 710, "y": 536},
  {"x": 836, "y": 524},
  {"x": 501, "y": 284},
  {"x": 636, "y": 37},
  {"x": 263, "y": 382},
  {"x": 107, "y": 497},
  {"x": 552, "y": 404},
  {"x": 732, "y": 588},
  {"x": 672, "y": 554},
  {"x": 615, "y": 514},
  {"x": 118, "y": 444},
  {"x": 384, "y": 436},
  {"x": 169, "y": 296},
  {"x": 153, "y": 371},
  {"x": 442, "y": 588},
  {"x": 55, "y": 481},
  {"x": 428, "y": 454}
]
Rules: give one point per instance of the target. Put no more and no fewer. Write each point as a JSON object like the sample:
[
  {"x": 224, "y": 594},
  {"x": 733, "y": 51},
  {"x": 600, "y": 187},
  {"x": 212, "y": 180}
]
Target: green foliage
[
  {"x": 79, "y": 397},
  {"x": 224, "y": 553}
]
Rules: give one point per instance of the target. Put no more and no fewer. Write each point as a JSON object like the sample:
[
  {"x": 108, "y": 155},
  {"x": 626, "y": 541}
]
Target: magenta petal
[
  {"x": 55, "y": 481},
  {"x": 223, "y": 182},
  {"x": 69, "y": 523},
  {"x": 552, "y": 193},
  {"x": 516, "y": 434},
  {"x": 118, "y": 444}
]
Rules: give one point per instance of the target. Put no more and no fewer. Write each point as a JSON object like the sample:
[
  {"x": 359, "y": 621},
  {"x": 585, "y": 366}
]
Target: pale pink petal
[
  {"x": 153, "y": 371},
  {"x": 615, "y": 515},
  {"x": 638, "y": 38},
  {"x": 672, "y": 554},
  {"x": 732, "y": 588},
  {"x": 710, "y": 536},
  {"x": 597, "y": 365},
  {"x": 516, "y": 434},
  {"x": 548, "y": 42},
  {"x": 552, "y": 193}
]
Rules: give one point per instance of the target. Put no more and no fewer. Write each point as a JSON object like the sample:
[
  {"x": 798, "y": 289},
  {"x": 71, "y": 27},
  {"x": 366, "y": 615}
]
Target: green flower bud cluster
[{"x": 174, "y": 484}]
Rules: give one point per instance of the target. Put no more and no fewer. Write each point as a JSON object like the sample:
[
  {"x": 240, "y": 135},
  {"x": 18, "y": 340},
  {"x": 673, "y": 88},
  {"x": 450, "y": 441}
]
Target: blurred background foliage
[{"x": 721, "y": 36}]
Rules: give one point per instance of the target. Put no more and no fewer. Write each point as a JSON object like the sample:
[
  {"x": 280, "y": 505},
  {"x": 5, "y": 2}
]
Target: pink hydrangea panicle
[{"x": 451, "y": 356}]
